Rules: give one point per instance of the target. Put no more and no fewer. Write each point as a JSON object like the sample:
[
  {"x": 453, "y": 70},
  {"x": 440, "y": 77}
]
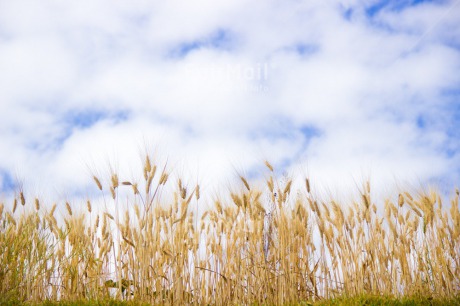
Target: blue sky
[{"x": 338, "y": 90}]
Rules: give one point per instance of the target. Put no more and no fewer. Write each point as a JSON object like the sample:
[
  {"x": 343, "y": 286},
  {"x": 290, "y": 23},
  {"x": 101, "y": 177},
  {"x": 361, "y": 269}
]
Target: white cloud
[{"x": 282, "y": 65}]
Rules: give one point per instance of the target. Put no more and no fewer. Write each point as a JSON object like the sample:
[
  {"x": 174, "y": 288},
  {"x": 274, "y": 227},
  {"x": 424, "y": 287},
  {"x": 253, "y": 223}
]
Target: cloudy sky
[{"x": 337, "y": 90}]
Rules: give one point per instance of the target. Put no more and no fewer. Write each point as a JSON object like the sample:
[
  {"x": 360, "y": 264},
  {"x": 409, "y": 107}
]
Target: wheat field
[{"x": 260, "y": 245}]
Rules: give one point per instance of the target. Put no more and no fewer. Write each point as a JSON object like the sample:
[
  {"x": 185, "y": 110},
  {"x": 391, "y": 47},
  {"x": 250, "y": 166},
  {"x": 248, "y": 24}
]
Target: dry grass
[{"x": 256, "y": 247}]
